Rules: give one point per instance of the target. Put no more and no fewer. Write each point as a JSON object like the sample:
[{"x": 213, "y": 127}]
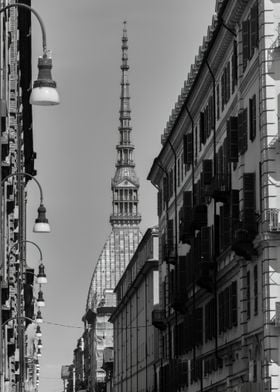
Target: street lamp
[
  {"x": 44, "y": 88},
  {"x": 41, "y": 222}
]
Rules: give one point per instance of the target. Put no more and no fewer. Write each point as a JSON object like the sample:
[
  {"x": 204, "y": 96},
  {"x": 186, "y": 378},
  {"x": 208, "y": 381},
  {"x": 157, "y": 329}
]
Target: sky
[{"x": 76, "y": 140}]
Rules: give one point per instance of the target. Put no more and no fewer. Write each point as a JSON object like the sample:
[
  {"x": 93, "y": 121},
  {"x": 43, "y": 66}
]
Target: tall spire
[
  {"x": 125, "y": 148},
  {"x": 125, "y": 183}
]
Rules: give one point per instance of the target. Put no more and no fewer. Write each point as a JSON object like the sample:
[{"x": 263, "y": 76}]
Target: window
[
  {"x": 256, "y": 305},
  {"x": 250, "y": 35},
  {"x": 252, "y": 118},
  {"x": 248, "y": 295},
  {"x": 234, "y": 67},
  {"x": 218, "y": 101}
]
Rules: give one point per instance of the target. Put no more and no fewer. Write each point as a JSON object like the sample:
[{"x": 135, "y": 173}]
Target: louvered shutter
[
  {"x": 249, "y": 202},
  {"x": 254, "y": 29},
  {"x": 228, "y": 89},
  {"x": 182, "y": 274},
  {"x": 252, "y": 117},
  {"x": 187, "y": 216},
  {"x": 233, "y": 297},
  {"x": 159, "y": 203},
  {"x": 170, "y": 234},
  {"x": 188, "y": 149},
  {"x": 241, "y": 147},
  {"x": 234, "y": 67},
  {"x": 200, "y": 216},
  {"x": 221, "y": 312},
  {"x": 226, "y": 225},
  {"x": 232, "y": 137},
  {"x": 245, "y": 129},
  {"x": 245, "y": 42},
  {"x": 234, "y": 211},
  {"x": 165, "y": 189},
  {"x": 198, "y": 326},
  {"x": 207, "y": 172},
  {"x": 201, "y": 128},
  {"x": 206, "y": 244},
  {"x": 227, "y": 309}
]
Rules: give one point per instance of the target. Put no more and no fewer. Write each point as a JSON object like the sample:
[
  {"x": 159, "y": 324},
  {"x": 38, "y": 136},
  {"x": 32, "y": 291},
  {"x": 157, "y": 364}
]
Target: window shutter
[
  {"x": 159, "y": 202},
  {"x": 254, "y": 29},
  {"x": 233, "y": 298},
  {"x": 241, "y": 145},
  {"x": 249, "y": 202},
  {"x": 187, "y": 216},
  {"x": 256, "y": 292},
  {"x": 201, "y": 128},
  {"x": 234, "y": 67},
  {"x": 206, "y": 244},
  {"x": 223, "y": 90},
  {"x": 207, "y": 172},
  {"x": 232, "y": 137},
  {"x": 211, "y": 113},
  {"x": 170, "y": 236},
  {"x": 252, "y": 117},
  {"x": 245, "y": 43},
  {"x": 165, "y": 189},
  {"x": 228, "y": 89},
  {"x": 248, "y": 295},
  {"x": 206, "y": 122},
  {"x": 226, "y": 225},
  {"x": 227, "y": 309},
  {"x": 200, "y": 216},
  {"x": 234, "y": 211},
  {"x": 182, "y": 274},
  {"x": 198, "y": 326},
  {"x": 188, "y": 149},
  {"x": 245, "y": 129},
  {"x": 218, "y": 101},
  {"x": 221, "y": 312}
]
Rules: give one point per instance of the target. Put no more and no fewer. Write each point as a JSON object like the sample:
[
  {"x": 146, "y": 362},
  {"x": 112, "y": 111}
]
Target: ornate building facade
[
  {"x": 121, "y": 243},
  {"x": 219, "y": 210},
  {"x": 16, "y": 155}
]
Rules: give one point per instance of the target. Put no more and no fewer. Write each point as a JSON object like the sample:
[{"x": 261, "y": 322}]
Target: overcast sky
[{"x": 75, "y": 141}]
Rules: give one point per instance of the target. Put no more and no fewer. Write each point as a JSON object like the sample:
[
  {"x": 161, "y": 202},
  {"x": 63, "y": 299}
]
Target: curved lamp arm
[
  {"x": 22, "y": 174},
  {"x": 16, "y": 317},
  {"x": 22, "y": 5},
  {"x": 26, "y": 241}
]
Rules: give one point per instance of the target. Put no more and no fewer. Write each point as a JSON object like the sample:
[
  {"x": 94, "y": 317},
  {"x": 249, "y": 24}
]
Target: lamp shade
[
  {"x": 41, "y": 277},
  {"x": 41, "y": 223},
  {"x": 40, "y": 299},
  {"x": 39, "y": 318},
  {"x": 38, "y": 332},
  {"x": 44, "y": 91},
  {"x": 40, "y": 344}
]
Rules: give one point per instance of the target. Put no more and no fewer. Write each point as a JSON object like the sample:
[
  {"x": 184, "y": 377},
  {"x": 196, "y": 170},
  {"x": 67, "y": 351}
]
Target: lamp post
[
  {"x": 44, "y": 88},
  {"x": 43, "y": 93},
  {"x": 41, "y": 278},
  {"x": 41, "y": 225}
]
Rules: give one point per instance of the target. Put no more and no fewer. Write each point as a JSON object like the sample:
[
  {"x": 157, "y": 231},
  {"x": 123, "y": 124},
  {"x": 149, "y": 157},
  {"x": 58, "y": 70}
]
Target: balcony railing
[
  {"x": 272, "y": 217},
  {"x": 158, "y": 319}
]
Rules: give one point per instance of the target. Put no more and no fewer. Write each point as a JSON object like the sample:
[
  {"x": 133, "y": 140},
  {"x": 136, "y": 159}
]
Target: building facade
[
  {"x": 19, "y": 345},
  {"x": 217, "y": 176},
  {"x": 121, "y": 243},
  {"x": 135, "y": 338}
]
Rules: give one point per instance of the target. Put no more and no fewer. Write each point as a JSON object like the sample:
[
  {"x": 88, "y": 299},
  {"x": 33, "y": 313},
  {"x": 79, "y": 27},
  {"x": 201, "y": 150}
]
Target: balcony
[
  {"x": 158, "y": 319},
  {"x": 243, "y": 244},
  {"x": 272, "y": 219},
  {"x": 205, "y": 275}
]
